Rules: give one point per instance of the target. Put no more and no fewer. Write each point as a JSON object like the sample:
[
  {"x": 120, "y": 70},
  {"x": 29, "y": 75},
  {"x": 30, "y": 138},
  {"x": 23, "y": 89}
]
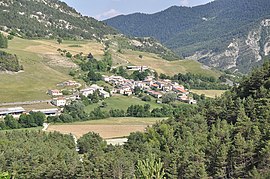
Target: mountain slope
[
  {"x": 49, "y": 18},
  {"x": 224, "y": 34},
  {"x": 53, "y": 18}
]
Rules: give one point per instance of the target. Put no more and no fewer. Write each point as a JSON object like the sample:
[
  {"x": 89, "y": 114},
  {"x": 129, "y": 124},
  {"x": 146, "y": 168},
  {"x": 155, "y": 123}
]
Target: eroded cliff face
[{"x": 242, "y": 53}]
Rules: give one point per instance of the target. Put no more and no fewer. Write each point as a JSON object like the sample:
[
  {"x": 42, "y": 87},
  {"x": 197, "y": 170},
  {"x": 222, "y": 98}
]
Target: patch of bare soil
[
  {"x": 105, "y": 131},
  {"x": 58, "y": 60}
]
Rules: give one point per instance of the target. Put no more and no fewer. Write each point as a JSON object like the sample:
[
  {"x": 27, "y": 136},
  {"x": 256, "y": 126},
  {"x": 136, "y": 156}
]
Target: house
[
  {"x": 187, "y": 99},
  {"x": 69, "y": 83},
  {"x": 105, "y": 78},
  {"x": 59, "y": 101},
  {"x": 128, "y": 93},
  {"x": 160, "y": 84},
  {"x": 104, "y": 94},
  {"x": 192, "y": 101},
  {"x": 155, "y": 94},
  {"x": 148, "y": 82},
  {"x": 123, "y": 89},
  {"x": 85, "y": 92},
  {"x": 180, "y": 89},
  {"x": 55, "y": 92},
  {"x": 16, "y": 111},
  {"x": 155, "y": 86},
  {"x": 166, "y": 88},
  {"x": 48, "y": 112},
  {"x": 137, "y": 68}
]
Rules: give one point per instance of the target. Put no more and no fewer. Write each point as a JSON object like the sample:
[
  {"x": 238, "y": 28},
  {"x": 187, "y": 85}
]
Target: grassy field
[
  {"x": 107, "y": 128},
  {"x": 164, "y": 66},
  {"x": 209, "y": 93},
  {"x": 43, "y": 66},
  {"x": 121, "y": 102}
]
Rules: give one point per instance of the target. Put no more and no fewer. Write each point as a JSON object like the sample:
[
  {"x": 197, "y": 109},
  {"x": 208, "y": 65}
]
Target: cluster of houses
[
  {"x": 155, "y": 88},
  {"x": 59, "y": 100}
]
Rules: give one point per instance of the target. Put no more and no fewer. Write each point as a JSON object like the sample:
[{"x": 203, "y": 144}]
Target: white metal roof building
[{"x": 12, "y": 111}]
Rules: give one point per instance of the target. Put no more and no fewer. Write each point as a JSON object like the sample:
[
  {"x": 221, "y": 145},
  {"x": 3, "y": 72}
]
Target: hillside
[
  {"x": 49, "y": 18},
  {"x": 224, "y": 34},
  {"x": 32, "y": 84},
  {"x": 226, "y": 137}
]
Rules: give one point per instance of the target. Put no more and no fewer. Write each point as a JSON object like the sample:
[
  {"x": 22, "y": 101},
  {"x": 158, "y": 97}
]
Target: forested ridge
[
  {"x": 206, "y": 30},
  {"x": 204, "y": 26},
  {"x": 227, "y": 137}
]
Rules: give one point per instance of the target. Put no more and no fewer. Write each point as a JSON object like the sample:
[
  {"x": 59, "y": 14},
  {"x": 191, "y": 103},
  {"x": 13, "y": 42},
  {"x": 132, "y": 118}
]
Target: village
[{"x": 120, "y": 85}]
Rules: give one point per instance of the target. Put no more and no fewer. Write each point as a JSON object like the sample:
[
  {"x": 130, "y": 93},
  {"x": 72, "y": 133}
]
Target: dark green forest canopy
[
  {"x": 208, "y": 26},
  {"x": 227, "y": 137}
]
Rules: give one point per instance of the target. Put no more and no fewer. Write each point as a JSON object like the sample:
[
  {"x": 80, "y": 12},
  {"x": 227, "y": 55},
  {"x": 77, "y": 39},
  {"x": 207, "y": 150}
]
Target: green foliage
[
  {"x": 169, "y": 97},
  {"x": 91, "y": 142},
  {"x": 196, "y": 81},
  {"x": 3, "y": 41},
  {"x": 59, "y": 40},
  {"x": 9, "y": 62},
  {"x": 52, "y": 154},
  {"x": 68, "y": 55},
  {"x": 4, "y": 175},
  {"x": 150, "y": 168}
]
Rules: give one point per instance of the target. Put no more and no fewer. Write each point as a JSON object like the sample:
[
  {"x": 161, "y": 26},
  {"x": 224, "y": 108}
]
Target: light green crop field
[{"x": 121, "y": 102}]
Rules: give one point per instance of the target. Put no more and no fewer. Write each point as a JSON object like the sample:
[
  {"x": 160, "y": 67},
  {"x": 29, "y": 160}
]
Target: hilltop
[
  {"x": 223, "y": 34},
  {"x": 50, "y": 19}
]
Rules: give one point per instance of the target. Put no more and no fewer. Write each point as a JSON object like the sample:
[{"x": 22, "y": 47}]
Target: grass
[
  {"x": 39, "y": 75},
  {"x": 121, "y": 102},
  {"x": 209, "y": 93},
  {"x": 164, "y": 66},
  {"x": 119, "y": 121},
  {"x": 23, "y": 129}
]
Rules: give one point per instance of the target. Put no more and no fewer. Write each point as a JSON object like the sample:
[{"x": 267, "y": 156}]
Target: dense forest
[
  {"x": 203, "y": 26},
  {"x": 204, "y": 29},
  {"x": 226, "y": 137},
  {"x": 50, "y": 19}
]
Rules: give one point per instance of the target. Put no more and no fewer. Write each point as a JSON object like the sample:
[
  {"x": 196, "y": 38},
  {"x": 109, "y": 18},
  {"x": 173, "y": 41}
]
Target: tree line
[{"x": 33, "y": 119}]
